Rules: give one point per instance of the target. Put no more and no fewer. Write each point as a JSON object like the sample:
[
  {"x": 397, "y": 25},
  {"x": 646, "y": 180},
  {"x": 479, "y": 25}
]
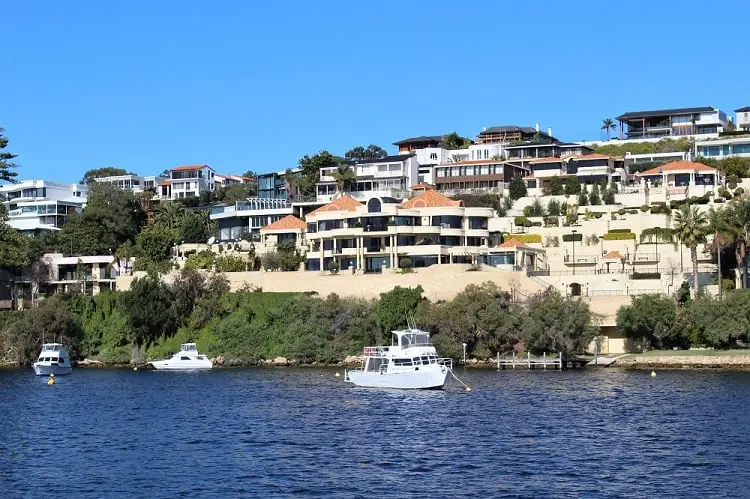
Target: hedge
[
  {"x": 524, "y": 238},
  {"x": 620, "y": 231},
  {"x": 618, "y": 236},
  {"x": 522, "y": 222},
  {"x": 572, "y": 237},
  {"x": 646, "y": 275}
]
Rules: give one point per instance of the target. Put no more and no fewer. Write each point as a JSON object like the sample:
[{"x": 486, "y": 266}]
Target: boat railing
[
  {"x": 446, "y": 361},
  {"x": 376, "y": 351}
]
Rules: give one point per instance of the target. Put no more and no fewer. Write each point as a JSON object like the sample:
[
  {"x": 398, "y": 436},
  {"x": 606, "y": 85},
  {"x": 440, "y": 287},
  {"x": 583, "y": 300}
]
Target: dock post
[
  {"x": 544, "y": 358},
  {"x": 498, "y": 360},
  {"x": 560, "y": 360},
  {"x": 514, "y": 360},
  {"x": 528, "y": 358}
]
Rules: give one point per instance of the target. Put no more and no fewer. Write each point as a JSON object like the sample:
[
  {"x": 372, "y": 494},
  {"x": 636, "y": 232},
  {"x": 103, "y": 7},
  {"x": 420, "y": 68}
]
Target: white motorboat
[
  {"x": 411, "y": 362},
  {"x": 187, "y": 358},
  {"x": 53, "y": 359}
]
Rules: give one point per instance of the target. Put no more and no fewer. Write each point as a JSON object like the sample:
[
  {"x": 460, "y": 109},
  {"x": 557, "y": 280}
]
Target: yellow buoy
[
  {"x": 51, "y": 381},
  {"x": 653, "y": 374}
]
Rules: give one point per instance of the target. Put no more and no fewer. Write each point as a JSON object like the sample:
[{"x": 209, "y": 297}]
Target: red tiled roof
[
  {"x": 344, "y": 203},
  {"x": 613, "y": 255},
  {"x": 677, "y": 166},
  {"x": 595, "y": 155},
  {"x": 430, "y": 199},
  {"x": 511, "y": 243},
  {"x": 187, "y": 168},
  {"x": 423, "y": 186},
  {"x": 289, "y": 222}
]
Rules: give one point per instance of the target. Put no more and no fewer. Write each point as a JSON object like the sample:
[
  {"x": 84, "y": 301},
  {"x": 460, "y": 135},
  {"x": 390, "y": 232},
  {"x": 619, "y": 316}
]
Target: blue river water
[{"x": 288, "y": 432}]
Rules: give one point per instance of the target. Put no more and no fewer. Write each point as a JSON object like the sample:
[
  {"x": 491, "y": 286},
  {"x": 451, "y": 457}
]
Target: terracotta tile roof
[
  {"x": 289, "y": 222},
  {"x": 613, "y": 255},
  {"x": 595, "y": 155},
  {"x": 422, "y": 186},
  {"x": 511, "y": 243},
  {"x": 344, "y": 203},
  {"x": 167, "y": 182},
  {"x": 187, "y": 168},
  {"x": 678, "y": 166},
  {"x": 430, "y": 199}
]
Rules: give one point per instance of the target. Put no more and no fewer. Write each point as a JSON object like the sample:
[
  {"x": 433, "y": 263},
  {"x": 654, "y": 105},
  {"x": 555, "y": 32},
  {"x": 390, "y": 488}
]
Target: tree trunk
[{"x": 694, "y": 260}]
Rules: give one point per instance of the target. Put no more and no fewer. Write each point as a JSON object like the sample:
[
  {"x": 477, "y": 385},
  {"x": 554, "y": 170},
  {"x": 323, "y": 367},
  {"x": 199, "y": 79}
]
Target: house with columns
[
  {"x": 680, "y": 178},
  {"x": 428, "y": 229}
]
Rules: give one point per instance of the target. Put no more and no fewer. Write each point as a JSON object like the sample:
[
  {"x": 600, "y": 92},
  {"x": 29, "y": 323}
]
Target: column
[{"x": 322, "y": 251}]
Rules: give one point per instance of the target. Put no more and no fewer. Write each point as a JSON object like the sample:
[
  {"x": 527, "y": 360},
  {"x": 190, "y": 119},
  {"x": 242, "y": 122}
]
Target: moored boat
[
  {"x": 53, "y": 359},
  {"x": 410, "y": 362},
  {"x": 187, "y": 358}
]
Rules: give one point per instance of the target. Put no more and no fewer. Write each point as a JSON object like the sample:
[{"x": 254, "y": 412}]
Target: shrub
[
  {"x": 333, "y": 267},
  {"x": 553, "y": 207},
  {"x": 633, "y": 212},
  {"x": 536, "y": 224},
  {"x": 622, "y": 211},
  {"x": 552, "y": 241},
  {"x": 724, "y": 192},
  {"x": 203, "y": 260},
  {"x": 598, "y": 214},
  {"x": 619, "y": 236},
  {"x": 620, "y": 231},
  {"x": 718, "y": 200},
  {"x": 231, "y": 263},
  {"x": 645, "y": 208},
  {"x": 645, "y": 275},
  {"x": 739, "y": 191},
  {"x": 524, "y": 238},
  {"x": 522, "y": 221},
  {"x": 572, "y": 237},
  {"x": 405, "y": 263},
  {"x": 551, "y": 222}
]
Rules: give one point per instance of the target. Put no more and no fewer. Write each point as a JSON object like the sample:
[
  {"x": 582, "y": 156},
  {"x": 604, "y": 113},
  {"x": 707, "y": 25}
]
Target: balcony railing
[
  {"x": 580, "y": 259},
  {"x": 645, "y": 257}
]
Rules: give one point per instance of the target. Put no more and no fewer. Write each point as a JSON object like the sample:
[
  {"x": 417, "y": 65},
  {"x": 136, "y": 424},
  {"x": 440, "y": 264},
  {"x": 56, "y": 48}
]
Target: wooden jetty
[{"x": 544, "y": 362}]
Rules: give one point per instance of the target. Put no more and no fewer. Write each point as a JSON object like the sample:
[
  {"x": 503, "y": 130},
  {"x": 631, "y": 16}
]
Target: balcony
[
  {"x": 581, "y": 260},
  {"x": 645, "y": 257}
]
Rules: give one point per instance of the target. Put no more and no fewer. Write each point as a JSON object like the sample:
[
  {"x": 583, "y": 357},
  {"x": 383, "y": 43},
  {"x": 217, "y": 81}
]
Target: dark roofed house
[
  {"x": 414, "y": 143},
  {"x": 669, "y": 123}
]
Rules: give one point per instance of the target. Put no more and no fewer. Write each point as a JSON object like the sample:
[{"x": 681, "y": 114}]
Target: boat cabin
[
  {"x": 188, "y": 347},
  {"x": 410, "y": 338},
  {"x": 53, "y": 352}
]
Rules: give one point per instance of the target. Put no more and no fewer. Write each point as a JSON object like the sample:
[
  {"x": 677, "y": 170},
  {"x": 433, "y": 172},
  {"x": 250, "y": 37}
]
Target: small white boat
[
  {"x": 411, "y": 362},
  {"x": 53, "y": 359},
  {"x": 187, "y": 358}
]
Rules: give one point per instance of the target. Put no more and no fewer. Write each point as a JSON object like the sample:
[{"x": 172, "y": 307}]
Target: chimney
[{"x": 537, "y": 127}]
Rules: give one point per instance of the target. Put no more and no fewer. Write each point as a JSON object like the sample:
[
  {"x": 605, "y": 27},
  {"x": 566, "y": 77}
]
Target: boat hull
[
  {"x": 46, "y": 370},
  {"x": 431, "y": 379},
  {"x": 169, "y": 365}
]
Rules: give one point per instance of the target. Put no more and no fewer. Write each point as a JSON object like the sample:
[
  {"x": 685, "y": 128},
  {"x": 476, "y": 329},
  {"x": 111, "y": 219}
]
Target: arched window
[{"x": 374, "y": 205}]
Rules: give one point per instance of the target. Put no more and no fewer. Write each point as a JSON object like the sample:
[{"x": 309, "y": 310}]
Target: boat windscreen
[{"x": 415, "y": 339}]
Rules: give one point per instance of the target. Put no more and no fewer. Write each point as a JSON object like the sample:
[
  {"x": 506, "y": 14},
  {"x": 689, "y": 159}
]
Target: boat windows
[
  {"x": 411, "y": 339},
  {"x": 201, "y": 357},
  {"x": 402, "y": 362},
  {"x": 425, "y": 361},
  {"x": 184, "y": 358},
  {"x": 374, "y": 364}
]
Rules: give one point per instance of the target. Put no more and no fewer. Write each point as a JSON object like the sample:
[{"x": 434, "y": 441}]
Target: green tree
[
  {"x": 609, "y": 196},
  {"x": 16, "y": 249},
  {"x": 453, "y": 140},
  {"x": 169, "y": 215},
  {"x": 735, "y": 165},
  {"x": 395, "y": 308},
  {"x": 553, "y": 208},
  {"x": 572, "y": 185},
  {"x": 594, "y": 198},
  {"x": 7, "y": 166},
  {"x": 720, "y": 226},
  {"x": 651, "y": 318},
  {"x": 608, "y": 126},
  {"x": 739, "y": 221},
  {"x": 196, "y": 227},
  {"x": 147, "y": 305},
  {"x": 108, "y": 171},
  {"x": 517, "y": 188},
  {"x": 310, "y": 170},
  {"x": 360, "y": 153},
  {"x": 111, "y": 217},
  {"x": 154, "y": 246},
  {"x": 555, "y": 323},
  {"x": 235, "y": 192},
  {"x": 344, "y": 177},
  {"x": 583, "y": 197},
  {"x": 690, "y": 226},
  {"x": 554, "y": 187}
]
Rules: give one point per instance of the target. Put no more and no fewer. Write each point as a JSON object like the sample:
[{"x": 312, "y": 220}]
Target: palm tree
[
  {"x": 169, "y": 215},
  {"x": 691, "y": 225},
  {"x": 739, "y": 221},
  {"x": 719, "y": 225},
  {"x": 608, "y": 126},
  {"x": 344, "y": 176}
]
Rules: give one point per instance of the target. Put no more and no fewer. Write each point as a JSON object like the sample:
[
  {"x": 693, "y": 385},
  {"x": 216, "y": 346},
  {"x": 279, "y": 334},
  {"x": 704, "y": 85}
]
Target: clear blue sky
[{"x": 148, "y": 85}]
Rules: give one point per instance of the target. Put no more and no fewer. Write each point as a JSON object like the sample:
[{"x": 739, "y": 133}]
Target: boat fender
[
  {"x": 51, "y": 375},
  {"x": 135, "y": 369},
  {"x": 51, "y": 381}
]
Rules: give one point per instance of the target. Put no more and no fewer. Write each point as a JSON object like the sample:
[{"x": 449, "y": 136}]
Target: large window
[{"x": 478, "y": 223}]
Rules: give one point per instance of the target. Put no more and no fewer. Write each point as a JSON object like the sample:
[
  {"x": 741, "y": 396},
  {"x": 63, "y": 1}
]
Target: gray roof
[
  {"x": 423, "y": 138},
  {"x": 387, "y": 159},
  {"x": 742, "y": 109},
  {"x": 665, "y": 112}
]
